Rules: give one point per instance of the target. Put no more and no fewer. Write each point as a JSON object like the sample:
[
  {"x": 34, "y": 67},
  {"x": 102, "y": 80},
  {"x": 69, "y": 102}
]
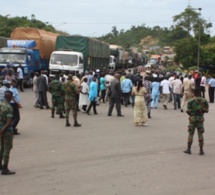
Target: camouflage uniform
[
  {"x": 6, "y": 138},
  {"x": 196, "y": 108},
  {"x": 70, "y": 100},
  {"x": 57, "y": 90}
]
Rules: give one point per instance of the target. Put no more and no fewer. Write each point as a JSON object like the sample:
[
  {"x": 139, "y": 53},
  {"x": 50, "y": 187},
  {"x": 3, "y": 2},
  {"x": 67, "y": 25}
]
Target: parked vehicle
[
  {"x": 155, "y": 59},
  {"x": 29, "y": 47},
  {"x": 77, "y": 54},
  {"x": 119, "y": 53}
]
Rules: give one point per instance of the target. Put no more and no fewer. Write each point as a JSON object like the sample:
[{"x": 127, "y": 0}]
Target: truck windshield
[
  {"x": 64, "y": 59},
  {"x": 12, "y": 58}
]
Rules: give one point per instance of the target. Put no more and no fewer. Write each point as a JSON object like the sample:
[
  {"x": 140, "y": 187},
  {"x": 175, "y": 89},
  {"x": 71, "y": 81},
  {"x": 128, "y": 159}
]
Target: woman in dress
[
  {"x": 140, "y": 109},
  {"x": 84, "y": 99}
]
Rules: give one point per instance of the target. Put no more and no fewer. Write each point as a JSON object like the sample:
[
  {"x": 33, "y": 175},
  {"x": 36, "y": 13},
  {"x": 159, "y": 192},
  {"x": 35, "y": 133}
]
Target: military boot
[
  {"x": 188, "y": 150},
  {"x": 201, "y": 151},
  {"x": 61, "y": 115},
  {"x": 67, "y": 123},
  {"x": 6, "y": 171},
  {"x": 76, "y": 124}
]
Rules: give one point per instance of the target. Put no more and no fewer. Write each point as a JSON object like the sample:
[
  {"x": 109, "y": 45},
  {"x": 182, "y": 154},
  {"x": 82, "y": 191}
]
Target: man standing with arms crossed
[{"x": 6, "y": 133}]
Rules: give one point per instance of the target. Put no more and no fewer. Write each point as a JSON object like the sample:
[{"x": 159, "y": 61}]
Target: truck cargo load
[
  {"x": 119, "y": 53},
  {"x": 45, "y": 41}
]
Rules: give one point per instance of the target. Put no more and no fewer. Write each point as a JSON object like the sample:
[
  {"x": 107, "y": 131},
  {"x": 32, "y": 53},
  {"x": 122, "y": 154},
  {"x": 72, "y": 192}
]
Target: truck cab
[
  {"x": 17, "y": 53},
  {"x": 66, "y": 61},
  {"x": 112, "y": 63}
]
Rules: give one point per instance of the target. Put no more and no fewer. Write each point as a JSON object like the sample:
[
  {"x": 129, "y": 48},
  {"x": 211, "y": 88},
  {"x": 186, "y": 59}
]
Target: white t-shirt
[
  {"x": 165, "y": 86},
  {"x": 20, "y": 73},
  {"x": 177, "y": 86}
]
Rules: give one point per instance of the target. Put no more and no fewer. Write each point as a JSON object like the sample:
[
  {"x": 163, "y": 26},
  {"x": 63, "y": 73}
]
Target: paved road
[{"x": 108, "y": 155}]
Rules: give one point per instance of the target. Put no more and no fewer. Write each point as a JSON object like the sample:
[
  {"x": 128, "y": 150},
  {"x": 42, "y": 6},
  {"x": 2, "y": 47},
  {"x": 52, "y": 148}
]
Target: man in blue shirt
[
  {"x": 15, "y": 103},
  {"x": 126, "y": 86}
]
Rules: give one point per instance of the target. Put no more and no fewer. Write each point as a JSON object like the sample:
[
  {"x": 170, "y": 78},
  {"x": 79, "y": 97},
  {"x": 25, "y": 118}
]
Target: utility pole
[{"x": 199, "y": 40}]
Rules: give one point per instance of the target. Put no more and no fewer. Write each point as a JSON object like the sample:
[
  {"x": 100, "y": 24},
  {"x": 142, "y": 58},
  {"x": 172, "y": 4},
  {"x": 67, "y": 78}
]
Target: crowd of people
[{"x": 142, "y": 92}]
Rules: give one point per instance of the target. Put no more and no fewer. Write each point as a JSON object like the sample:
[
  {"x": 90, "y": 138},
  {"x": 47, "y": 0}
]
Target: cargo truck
[
  {"x": 29, "y": 47},
  {"x": 76, "y": 54},
  {"x": 119, "y": 53}
]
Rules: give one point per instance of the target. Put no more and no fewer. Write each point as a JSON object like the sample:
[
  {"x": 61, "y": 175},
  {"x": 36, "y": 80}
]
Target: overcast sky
[{"x": 97, "y": 17}]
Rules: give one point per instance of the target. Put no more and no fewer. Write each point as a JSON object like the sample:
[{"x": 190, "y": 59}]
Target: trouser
[
  {"x": 57, "y": 102},
  {"x": 6, "y": 144},
  {"x": 16, "y": 115},
  {"x": 165, "y": 98},
  {"x": 170, "y": 96},
  {"x": 177, "y": 101},
  {"x": 20, "y": 84},
  {"x": 155, "y": 99},
  {"x": 211, "y": 94},
  {"x": 196, "y": 122},
  {"x": 103, "y": 93},
  {"x": 202, "y": 88},
  {"x": 111, "y": 105},
  {"x": 126, "y": 97},
  {"x": 77, "y": 101},
  {"x": 37, "y": 99},
  {"x": 43, "y": 99},
  {"x": 70, "y": 104},
  {"x": 92, "y": 104},
  {"x": 187, "y": 96}
]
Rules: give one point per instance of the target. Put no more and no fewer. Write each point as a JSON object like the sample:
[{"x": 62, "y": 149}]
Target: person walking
[
  {"x": 70, "y": 104},
  {"x": 6, "y": 133},
  {"x": 20, "y": 78},
  {"x": 93, "y": 93},
  {"x": 84, "y": 95},
  {"x": 165, "y": 91},
  {"x": 102, "y": 87},
  {"x": 35, "y": 89},
  {"x": 42, "y": 87},
  {"x": 116, "y": 95},
  {"x": 177, "y": 90},
  {"x": 15, "y": 103},
  {"x": 126, "y": 86},
  {"x": 140, "y": 109},
  {"x": 196, "y": 108},
  {"x": 186, "y": 91},
  {"x": 211, "y": 88},
  {"x": 57, "y": 90},
  {"x": 203, "y": 85},
  {"x": 148, "y": 97},
  {"x": 155, "y": 93}
]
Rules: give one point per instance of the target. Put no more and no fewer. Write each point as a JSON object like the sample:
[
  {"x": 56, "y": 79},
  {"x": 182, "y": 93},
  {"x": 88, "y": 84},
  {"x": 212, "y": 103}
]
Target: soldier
[
  {"x": 57, "y": 90},
  {"x": 70, "y": 93},
  {"x": 6, "y": 133},
  {"x": 196, "y": 108}
]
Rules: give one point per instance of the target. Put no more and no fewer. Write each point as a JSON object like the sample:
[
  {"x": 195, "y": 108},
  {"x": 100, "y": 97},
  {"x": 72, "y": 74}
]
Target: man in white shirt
[
  {"x": 20, "y": 78},
  {"x": 203, "y": 85},
  {"x": 177, "y": 90},
  {"x": 171, "y": 79},
  {"x": 165, "y": 91}
]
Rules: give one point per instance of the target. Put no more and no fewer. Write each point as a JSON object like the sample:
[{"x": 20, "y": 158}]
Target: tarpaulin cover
[
  {"x": 45, "y": 40},
  {"x": 89, "y": 47}
]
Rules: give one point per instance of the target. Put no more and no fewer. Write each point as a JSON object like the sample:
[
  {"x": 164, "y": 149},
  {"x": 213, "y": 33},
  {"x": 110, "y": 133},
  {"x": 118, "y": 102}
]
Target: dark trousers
[
  {"x": 16, "y": 115},
  {"x": 211, "y": 94},
  {"x": 20, "y": 84},
  {"x": 202, "y": 88},
  {"x": 43, "y": 99},
  {"x": 177, "y": 101},
  {"x": 126, "y": 97},
  {"x": 92, "y": 104},
  {"x": 118, "y": 106}
]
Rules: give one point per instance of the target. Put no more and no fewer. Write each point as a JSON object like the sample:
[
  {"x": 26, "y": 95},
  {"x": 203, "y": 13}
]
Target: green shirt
[{"x": 6, "y": 111}]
